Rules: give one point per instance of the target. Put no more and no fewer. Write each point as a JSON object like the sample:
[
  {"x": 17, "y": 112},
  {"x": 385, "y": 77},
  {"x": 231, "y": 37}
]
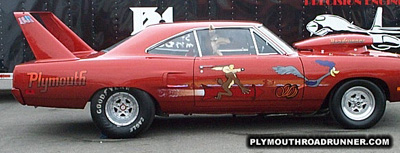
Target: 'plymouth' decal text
[{"x": 78, "y": 79}]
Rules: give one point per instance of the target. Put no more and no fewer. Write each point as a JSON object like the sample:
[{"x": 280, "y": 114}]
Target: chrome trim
[
  {"x": 264, "y": 54},
  {"x": 278, "y": 42},
  {"x": 178, "y": 86},
  {"x": 190, "y": 30},
  {"x": 270, "y": 42},
  {"x": 358, "y": 103},
  {"x": 197, "y": 43},
  {"x": 122, "y": 109},
  {"x": 254, "y": 40}
]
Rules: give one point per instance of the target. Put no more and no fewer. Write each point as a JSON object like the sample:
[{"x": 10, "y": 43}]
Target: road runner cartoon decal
[
  {"x": 384, "y": 38},
  {"x": 285, "y": 70},
  {"x": 230, "y": 74}
]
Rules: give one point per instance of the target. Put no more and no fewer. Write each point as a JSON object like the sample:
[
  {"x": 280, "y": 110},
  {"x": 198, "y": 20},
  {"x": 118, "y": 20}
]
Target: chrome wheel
[
  {"x": 122, "y": 109},
  {"x": 358, "y": 103}
]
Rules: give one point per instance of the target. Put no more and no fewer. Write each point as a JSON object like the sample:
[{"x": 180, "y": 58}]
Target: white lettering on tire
[
  {"x": 137, "y": 125},
  {"x": 101, "y": 99}
]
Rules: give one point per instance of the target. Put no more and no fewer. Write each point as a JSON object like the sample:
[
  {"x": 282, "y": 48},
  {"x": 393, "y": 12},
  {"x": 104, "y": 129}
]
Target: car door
[
  {"x": 172, "y": 62},
  {"x": 232, "y": 73},
  {"x": 221, "y": 74},
  {"x": 284, "y": 82}
]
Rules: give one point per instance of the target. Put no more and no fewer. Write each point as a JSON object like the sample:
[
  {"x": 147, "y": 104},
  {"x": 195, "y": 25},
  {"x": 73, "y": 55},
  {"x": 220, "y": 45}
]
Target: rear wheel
[
  {"x": 358, "y": 104},
  {"x": 122, "y": 112}
]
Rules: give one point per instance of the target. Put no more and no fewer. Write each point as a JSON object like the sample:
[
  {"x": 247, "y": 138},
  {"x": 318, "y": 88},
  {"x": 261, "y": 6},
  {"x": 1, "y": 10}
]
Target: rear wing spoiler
[{"x": 52, "y": 41}]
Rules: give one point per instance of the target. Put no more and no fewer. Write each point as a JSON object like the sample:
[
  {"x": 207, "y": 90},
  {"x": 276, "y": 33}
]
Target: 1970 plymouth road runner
[{"x": 203, "y": 67}]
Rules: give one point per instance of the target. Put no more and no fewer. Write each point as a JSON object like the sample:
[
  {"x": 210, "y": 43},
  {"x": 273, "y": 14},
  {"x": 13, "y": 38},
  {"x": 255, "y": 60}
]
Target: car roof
[
  {"x": 153, "y": 34},
  {"x": 204, "y": 24}
]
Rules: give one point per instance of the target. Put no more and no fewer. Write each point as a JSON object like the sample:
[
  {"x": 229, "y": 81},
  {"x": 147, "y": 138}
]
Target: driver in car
[{"x": 216, "y": 41}]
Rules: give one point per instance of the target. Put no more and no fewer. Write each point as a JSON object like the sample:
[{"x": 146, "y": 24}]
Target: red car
[{"x": 206, "y": 68}]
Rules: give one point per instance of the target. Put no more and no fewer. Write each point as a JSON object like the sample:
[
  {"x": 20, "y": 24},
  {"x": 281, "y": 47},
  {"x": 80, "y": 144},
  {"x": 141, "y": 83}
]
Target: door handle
[{"x": 205, "y": 66}]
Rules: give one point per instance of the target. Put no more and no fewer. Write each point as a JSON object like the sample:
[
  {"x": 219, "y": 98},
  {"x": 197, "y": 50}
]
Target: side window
[
  {"x": 263, "y": 46},
  {"x": 229, "y": 41},
  {"x": 183, "y": 45}
]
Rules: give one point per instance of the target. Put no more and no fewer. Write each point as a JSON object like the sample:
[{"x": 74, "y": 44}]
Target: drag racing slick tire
[
  {"x": 122, "y": 112},
  {"x": 358, "y": 104}
]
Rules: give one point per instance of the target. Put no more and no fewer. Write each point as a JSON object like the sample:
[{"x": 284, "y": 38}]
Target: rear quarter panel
[
  {"x": 137, "y": 72},
  {"x": 386, "y": 69}
]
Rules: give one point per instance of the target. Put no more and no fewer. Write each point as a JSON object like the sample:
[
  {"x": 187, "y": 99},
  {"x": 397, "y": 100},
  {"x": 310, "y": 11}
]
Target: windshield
[{"x": 279, "y": 41}]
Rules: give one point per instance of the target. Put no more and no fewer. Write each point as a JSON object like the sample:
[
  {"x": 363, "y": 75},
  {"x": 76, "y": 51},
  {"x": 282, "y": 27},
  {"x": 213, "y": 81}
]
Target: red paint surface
[
  {"x": 129, "y": 66},
  {"x": 4, "y": 76}
]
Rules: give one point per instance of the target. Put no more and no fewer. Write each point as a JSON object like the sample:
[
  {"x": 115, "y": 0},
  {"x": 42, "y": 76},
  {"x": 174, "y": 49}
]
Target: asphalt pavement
[{"x": 29, "y": 129}]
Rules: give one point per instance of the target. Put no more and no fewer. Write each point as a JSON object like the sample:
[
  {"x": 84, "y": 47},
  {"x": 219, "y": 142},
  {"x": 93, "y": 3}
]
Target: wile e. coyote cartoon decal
[
  {"x": 384, "y": 38},
  {"x": 284, "y": 70},
  {"x": 230, "y": 74}
]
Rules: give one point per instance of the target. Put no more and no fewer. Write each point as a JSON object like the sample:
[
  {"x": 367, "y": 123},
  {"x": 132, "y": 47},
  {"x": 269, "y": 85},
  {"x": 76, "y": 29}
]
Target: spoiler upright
[{"x": 52, "y": 41}]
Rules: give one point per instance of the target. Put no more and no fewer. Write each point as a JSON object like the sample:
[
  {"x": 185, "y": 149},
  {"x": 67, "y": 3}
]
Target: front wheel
[
  {"x": 358, "y": 104},
  {"x": 122, "y": 112}
]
